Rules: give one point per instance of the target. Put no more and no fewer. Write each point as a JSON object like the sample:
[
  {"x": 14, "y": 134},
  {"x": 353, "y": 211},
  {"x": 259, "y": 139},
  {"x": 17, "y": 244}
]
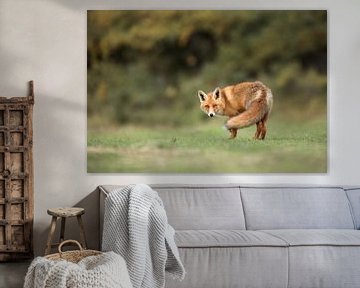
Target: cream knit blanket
[
  {"x": 136, "y": 227},
  {"x": 107, "y": 270}
]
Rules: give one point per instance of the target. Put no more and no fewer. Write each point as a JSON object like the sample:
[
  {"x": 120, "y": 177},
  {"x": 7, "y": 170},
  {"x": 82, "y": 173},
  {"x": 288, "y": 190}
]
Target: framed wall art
[{"x": 207, "y": 91}]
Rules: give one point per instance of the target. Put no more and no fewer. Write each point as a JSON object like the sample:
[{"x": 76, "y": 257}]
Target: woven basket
[{"x": 72, "y": 256}]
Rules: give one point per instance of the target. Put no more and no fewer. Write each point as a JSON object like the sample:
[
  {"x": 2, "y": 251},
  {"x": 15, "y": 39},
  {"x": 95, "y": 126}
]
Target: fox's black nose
[{"x": 211, "y": 114}]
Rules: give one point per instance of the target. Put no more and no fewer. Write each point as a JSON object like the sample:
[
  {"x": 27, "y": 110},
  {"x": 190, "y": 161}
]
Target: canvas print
[{"x": 207, "y": 91}]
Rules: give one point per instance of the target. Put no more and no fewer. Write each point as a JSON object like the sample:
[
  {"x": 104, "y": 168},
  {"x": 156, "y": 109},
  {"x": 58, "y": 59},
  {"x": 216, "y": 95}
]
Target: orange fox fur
[{"x": 244, "y": 103}]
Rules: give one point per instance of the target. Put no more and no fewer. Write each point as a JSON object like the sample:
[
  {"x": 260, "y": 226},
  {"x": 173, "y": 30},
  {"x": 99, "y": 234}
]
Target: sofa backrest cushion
[
  {"x": 296, "y": 208},
  {"x": 202, "y": 207},
  {"x": 354, "y": 198}
]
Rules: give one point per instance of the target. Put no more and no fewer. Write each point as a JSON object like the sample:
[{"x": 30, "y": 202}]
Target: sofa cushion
[
  {"x": 296, "y": 208},
  {"x": 322, "y": 258},
  {"x": 226, "y": 238},
  {"x": 218, "y": 267},
  {"x": 324, "y": 266},
  {"x": 191, "y": 207},
  {"x": 315, "y": 237},
  {"x": 201, "y": 207}
]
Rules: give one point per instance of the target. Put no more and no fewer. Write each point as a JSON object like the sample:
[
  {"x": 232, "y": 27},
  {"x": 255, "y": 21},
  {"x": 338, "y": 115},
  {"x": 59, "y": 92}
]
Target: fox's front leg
[{"x": 233, "y": 132}]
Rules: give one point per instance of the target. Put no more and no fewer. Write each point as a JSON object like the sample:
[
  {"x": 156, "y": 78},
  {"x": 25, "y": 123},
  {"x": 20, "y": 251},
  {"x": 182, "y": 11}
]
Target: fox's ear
[
  {"x": 202, "y": 95},
  {"x": 216, "y": 93}
]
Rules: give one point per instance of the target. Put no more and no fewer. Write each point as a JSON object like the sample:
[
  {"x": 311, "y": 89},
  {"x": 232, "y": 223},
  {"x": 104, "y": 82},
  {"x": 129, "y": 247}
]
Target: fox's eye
[
  {"x": 215, "y": 106},
  {"x": 206, "y": 106}
]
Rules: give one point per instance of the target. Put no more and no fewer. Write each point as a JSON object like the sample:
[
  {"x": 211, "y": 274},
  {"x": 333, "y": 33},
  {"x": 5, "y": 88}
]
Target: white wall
[{"x": 45, "y": 41}]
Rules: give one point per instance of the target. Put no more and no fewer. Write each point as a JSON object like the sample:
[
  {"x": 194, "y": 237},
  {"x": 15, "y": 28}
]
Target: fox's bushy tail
[{"x": 252, "y": 115}]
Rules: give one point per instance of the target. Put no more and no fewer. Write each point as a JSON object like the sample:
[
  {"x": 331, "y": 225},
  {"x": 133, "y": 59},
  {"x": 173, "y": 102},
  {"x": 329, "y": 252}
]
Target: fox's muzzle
[{"x": 211, "y": 114}]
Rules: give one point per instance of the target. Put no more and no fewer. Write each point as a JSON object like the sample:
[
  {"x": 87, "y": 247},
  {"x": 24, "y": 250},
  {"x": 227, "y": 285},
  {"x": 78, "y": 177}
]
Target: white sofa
[{"x": 264, "y": 237}]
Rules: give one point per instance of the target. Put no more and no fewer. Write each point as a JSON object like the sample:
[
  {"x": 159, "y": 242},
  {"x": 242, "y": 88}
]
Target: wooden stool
[{"x": 64, "y": 213}]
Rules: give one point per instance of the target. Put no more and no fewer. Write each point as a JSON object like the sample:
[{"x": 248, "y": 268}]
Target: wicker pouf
[{"x": 80, "y": 268}]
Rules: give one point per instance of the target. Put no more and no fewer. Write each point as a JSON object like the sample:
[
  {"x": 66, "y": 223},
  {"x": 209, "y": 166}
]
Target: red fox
[{"x": 244, "y": 103}]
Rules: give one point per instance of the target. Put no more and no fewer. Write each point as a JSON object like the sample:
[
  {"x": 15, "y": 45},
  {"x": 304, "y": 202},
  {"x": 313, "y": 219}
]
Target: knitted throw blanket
[
  {"x": 103, "y": 271},
  {"x": 136, "y": 227}
]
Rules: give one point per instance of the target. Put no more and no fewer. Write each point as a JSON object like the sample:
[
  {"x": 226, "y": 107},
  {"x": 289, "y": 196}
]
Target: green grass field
[{"x": 288, "y": 147}]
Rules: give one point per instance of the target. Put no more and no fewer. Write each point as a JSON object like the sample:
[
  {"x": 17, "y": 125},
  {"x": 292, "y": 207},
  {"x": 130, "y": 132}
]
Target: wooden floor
[{"x": 12, "y": 274}]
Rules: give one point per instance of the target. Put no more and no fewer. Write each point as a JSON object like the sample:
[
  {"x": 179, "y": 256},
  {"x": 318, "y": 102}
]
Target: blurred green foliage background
[{"x": 145, "y": 67}]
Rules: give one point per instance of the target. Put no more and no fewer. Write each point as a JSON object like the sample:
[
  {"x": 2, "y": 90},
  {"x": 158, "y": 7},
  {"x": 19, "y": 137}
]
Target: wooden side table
[{"x": 64, "y": 213}]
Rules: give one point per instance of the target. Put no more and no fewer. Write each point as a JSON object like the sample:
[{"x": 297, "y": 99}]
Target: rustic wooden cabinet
[{"x": 16, "y": 176}]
